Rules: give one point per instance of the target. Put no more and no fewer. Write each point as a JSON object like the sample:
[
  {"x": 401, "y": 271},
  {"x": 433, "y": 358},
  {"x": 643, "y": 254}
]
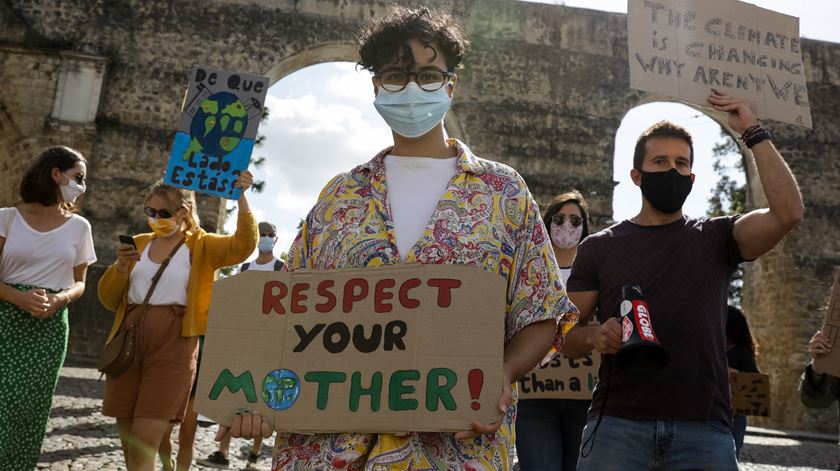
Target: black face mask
[{"x": 666, "y": 191}]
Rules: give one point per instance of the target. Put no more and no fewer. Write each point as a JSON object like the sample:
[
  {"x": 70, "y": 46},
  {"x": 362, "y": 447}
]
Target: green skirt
[{"x": 32, "y": 352}]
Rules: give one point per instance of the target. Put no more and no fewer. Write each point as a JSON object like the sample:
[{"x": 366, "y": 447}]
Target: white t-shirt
[
  {"x": 415, "y": 186},
  {"x": 564, "y": 273},
  {"x": 173, "y": 283},
  {"x": 261, "y": 267},
  {"x": 44, "y": 259}
]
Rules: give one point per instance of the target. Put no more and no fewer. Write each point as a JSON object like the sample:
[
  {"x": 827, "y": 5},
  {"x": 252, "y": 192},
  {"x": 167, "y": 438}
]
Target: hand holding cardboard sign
[
  {"x": 818, "y": 345},
  {"x": 741, "y": 112},
  {"x": 244, "y": 181},
  {"x": 245, "y": 425},
  {"x": 478, "y": 428}
]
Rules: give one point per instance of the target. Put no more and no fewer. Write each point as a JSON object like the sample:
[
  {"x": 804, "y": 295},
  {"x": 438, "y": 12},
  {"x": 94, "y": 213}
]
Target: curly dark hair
[
  {"x": 37, "y": 185},
  {"x": 571, "y": 196},
  {"x": 661, "y": 129},
  {"x": 385, "y": 40}
]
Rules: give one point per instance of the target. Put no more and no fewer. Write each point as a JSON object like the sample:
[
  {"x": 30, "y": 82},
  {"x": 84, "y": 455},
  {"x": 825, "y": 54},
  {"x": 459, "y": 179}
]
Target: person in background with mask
[
  {"x": 678, "y": 417},
  {"x": 265, "y": 261},
  {"x": 427, "y": 200},
  {"x": 45, "y": 251},
  {"x": 155, "y": 390},
  {"x": 548, "y": 430}
]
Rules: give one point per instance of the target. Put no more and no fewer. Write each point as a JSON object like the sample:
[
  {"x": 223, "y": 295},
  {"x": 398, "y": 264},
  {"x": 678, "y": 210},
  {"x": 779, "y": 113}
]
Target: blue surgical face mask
[
  {"x": 412, "y": 112},
  {"x": 266, "y": 244}
]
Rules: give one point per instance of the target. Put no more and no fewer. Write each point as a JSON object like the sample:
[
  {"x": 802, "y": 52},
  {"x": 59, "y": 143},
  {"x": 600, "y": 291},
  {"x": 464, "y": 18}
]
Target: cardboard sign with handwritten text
[
  {"x": 750, "y": 394},
  {"x": 684, "y": 48},
  {"x": 405, "y": 348},
  {"x": 217, "y": 131},
  {"x": 563, "y": 378}
]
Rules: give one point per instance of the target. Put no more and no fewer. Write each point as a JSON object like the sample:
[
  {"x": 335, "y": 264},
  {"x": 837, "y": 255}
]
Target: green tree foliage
[{"x": 729, "y": 197}]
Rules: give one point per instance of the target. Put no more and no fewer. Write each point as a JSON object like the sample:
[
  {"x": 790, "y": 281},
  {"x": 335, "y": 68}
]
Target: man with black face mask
[{"x": 676, "y": 418}]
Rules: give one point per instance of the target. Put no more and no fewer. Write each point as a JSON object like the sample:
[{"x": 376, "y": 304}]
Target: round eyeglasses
[
  {"x": 430, "y": 80},
  {"x": 559, "y": 219}
]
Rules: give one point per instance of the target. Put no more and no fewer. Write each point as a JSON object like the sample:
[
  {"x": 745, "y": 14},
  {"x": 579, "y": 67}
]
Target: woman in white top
[
  {"x": 154, "y": 391},
  {"x": 548, "y": 431},
  {"x": 45, "y": 251}
]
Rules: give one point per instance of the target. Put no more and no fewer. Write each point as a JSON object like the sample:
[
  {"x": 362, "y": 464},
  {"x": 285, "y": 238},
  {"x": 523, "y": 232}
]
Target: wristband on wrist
[{"x": 755, "y": 134}]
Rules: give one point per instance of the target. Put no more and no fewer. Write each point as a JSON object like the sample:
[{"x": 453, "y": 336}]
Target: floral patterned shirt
[{"x": 486, "y": 218}]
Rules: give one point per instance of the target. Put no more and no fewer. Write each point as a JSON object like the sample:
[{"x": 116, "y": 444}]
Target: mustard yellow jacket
[{"x": 208, "y": 252}]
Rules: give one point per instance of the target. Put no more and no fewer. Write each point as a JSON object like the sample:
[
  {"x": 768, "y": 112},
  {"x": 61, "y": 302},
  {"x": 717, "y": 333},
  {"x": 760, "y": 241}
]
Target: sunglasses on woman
[
  {"x": 559, "y": 219},
  {"x": 155, "y": 213}
]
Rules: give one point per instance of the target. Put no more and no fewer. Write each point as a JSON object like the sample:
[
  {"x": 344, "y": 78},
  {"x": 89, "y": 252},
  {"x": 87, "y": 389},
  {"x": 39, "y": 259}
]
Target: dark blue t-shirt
[{"x": 684, "y": 269}]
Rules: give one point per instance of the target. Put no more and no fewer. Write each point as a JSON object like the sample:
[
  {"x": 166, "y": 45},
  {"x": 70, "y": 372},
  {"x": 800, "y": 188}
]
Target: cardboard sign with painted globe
[
  {"x": 217, "y": 130},
  {"x": 391, "y": 349}
]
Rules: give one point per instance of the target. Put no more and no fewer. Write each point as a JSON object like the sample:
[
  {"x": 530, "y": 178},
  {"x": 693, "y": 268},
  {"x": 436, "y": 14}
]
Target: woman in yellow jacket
[{"x": 155, "y": 390}]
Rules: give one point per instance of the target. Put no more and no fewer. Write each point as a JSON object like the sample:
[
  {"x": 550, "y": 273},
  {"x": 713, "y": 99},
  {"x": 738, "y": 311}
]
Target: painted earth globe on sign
[
  {"x": 218, "y": 125},
  {"x": 280, "y": 389}
]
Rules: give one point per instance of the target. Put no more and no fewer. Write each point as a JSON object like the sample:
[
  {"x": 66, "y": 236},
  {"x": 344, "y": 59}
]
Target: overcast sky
[{"x": 323, "y": 122}]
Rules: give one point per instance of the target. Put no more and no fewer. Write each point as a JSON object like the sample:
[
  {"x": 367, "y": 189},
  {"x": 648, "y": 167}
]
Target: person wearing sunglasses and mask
[
  {"x": 155, "y": 390},
  {"x": 678, "y": 417},
  {"x": 548, "y": 430},
  {"x": 427, "y": 200},
  {"x": 45, "y": 251}
]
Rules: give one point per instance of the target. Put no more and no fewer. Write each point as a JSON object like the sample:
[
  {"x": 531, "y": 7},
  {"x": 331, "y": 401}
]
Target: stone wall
[{"x": 544, "y": 89}]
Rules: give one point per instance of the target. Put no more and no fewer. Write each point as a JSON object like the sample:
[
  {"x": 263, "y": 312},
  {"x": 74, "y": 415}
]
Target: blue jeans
[
  {"x": 548, "y": 433},
  {"x": 739, "y": 429},
  {"x": 625, "y": 445}
]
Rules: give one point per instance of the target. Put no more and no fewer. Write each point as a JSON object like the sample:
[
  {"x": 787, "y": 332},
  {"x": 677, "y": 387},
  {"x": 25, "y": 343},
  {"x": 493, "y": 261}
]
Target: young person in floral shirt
[{"x": 428, "y": 199}]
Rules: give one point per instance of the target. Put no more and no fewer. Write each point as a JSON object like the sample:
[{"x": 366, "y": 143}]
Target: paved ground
[{"x": 80, "y": 438}]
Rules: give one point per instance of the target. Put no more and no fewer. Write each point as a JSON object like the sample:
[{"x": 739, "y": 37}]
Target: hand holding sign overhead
[
  {"x": 740, "y": 112},
  {"x": 217, "y": 131},
  {"x": 682, "y": 48}
]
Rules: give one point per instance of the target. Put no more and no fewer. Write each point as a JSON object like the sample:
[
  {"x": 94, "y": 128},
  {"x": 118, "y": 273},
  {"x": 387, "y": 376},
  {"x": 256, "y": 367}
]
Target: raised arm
[
  {"x": 760, "y": 230},
  {"x": 226, "y": 250}
]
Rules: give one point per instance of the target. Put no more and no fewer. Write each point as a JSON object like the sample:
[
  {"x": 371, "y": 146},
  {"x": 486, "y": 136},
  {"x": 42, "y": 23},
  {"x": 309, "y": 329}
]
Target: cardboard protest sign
[
  {"x": 684, "y": 48},
  {"x": 830, "y": 363},
  {"x": 750, "y": 394},
  {"x": 405, "y": 348},
  {"x": 563, "y": 378},
  {"x": 216, "y": 132}
]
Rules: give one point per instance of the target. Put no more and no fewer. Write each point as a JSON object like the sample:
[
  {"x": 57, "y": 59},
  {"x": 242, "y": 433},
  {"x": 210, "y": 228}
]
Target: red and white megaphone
[{"x": 640, "y": 351}]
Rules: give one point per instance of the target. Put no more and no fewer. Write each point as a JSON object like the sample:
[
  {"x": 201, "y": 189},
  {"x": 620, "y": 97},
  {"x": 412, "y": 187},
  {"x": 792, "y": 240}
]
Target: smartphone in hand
[{"x": 128, "y": 240}]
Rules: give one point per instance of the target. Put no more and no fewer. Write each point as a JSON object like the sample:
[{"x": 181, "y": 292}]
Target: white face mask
[
  {"x": 412, "y": 111},
  {"x": 71, "y": 190},
  {"x": 266, "y": 244},
  {"x": 565, "y": 236}
]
